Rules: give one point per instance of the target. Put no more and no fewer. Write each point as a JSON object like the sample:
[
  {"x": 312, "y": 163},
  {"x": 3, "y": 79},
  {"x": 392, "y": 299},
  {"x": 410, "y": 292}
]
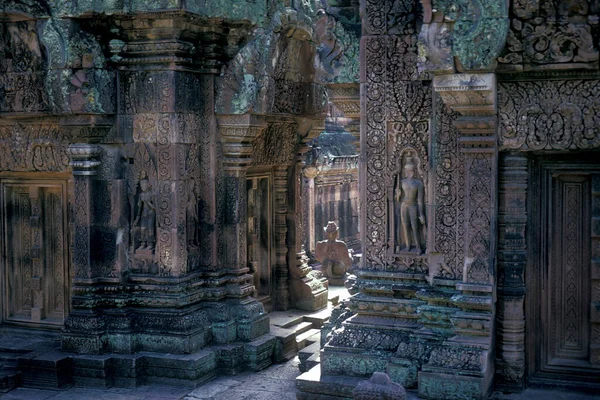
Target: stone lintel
[
  {"x": 346, "y": 98},
  {"x": 468, "y": 94},
  {"x": 237, "y": 134}
]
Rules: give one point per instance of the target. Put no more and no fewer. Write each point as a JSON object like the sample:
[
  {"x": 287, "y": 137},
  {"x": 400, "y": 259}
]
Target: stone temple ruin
[{"x": 161, "y": 191}]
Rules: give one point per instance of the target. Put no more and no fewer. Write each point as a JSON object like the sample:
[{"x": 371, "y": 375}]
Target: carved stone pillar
[
  {"x": 474, "y": 97},
  {"x": 310, "y": 172},
  {"x": 512, "y": 260},
  {"x": 237, "y": 134},
  {"x": 346, "y": 98},
  {"x": 84, "y": 164},
  {"x": 307, "y": 290},
  {"x": 280, "y": 190}
]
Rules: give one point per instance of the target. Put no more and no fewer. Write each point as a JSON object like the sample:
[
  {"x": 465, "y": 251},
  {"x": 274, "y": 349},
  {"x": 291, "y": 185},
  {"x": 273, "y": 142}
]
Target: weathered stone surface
[{"x": 379, "y": 387}]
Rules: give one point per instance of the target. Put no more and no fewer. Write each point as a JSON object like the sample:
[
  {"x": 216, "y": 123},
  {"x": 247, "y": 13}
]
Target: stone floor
[{"x": 274, "y": 383}]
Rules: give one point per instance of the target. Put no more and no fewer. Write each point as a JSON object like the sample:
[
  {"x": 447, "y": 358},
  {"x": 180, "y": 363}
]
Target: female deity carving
[
  {"x": 410, "y": 194},
  {"x": 146, "y": 217}
]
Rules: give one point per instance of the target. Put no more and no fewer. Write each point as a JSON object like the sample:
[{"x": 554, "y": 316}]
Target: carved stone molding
[
  {"x": 83, "y": 158},
  {"x": 237, "y": 135},
  {"x": 346, "y": 97},
  {"x": 468, "y": 94}
]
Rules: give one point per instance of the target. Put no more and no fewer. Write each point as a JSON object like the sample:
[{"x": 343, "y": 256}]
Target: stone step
[
  {"x": 319, "y": 318},
  {"x": 9, "y": 380},
  {"x": 312, "y": 385},
  {"x": 313, "y": 361},
  {"x": 306, "y": 353},
  {"x": 288, "y": 347},
  {"x": 284, "y": 320},
  {"x": 302, "y": 327},
  {"x": 307, "y": 338}
]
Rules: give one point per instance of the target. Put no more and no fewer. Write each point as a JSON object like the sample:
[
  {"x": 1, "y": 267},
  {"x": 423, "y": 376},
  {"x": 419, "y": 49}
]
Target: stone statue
[
  {"x": 410, "y": 193},
  {"x": 146, "y": 217},
  {"x": 191, "y": 213},
  {"x": 333, "y": 255}
]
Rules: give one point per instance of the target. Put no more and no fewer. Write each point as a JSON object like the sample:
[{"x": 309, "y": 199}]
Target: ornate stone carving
[
  {"x": 145, "y": 217},
  {"x": 553, "y": 115},
  {"x": 547, "y": 32},
  {"x": 449, "y": 192},
  {"x": 333, "y": 255},
  {"x": 33, "y": 147},
  {"x": 337, "y": 49},
  {"x": 275, "y": 145},
  {"x": 409, "y": 197},
  {"x": 475, "y": 21},
  {"x": 435, "y": 44},
  {"x": 21, "y": 69},
  {"x": 401, "y": 108}
]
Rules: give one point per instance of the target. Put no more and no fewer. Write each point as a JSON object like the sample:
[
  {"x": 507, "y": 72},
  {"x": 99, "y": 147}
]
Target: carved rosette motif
[{"x": 551, "y": 115}]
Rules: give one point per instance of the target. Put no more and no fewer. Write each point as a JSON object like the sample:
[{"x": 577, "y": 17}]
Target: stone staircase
[
  {"x": 10, "y": 377},
  {"x": 296, "y": 331}
]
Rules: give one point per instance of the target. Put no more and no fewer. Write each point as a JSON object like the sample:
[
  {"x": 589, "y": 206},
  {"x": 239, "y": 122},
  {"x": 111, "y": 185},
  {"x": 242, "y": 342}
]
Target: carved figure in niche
[
  {"x": 333, "y": 255},
  {"x": 191, "y": 212},
  {"x": 146, "y": 216},
  {"x": 410, "y": 194}
]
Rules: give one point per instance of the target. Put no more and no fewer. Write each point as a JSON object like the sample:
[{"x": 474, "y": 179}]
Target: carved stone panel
[
  {"x": 36, "y": 282},
  {"x": 398, "y": 108},
  {"x": 546, "y": 32},
  {"x": 33, "y": 147},
  {"x": 260, "y": 234},
  {"x": 565, "y": 291},
  {"x": 550, "y": 115}
]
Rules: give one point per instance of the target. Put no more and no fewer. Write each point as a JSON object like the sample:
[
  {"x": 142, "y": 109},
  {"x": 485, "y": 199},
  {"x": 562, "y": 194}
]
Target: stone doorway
[
  {"x": 35, "y": 277},
  {"x": 564, "y": 279},
  {"x": 260, "y": 235}
]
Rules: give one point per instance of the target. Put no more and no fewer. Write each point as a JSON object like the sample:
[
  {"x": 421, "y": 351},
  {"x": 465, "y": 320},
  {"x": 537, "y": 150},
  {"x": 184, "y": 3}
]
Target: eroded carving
[{"x": 333, "y": 254}]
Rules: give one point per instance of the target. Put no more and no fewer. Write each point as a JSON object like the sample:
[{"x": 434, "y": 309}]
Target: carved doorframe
[
  {"x": 258, "y": 173},
  {"x": 541, "y": 169},
  {"x": 29, "y": 181}
]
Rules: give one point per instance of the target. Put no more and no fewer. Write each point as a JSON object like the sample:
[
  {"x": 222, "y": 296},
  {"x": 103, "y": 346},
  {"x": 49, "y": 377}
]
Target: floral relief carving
[
  {"x": 552, "y": 115},
  {"x": 275, "y": 145},
  {"x": 551, "y": 32},
  {"x": 33, "y": 148}
]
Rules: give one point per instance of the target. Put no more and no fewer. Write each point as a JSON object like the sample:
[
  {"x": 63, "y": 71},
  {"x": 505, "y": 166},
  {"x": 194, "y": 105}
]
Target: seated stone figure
[{"x": 333, "y": 255}]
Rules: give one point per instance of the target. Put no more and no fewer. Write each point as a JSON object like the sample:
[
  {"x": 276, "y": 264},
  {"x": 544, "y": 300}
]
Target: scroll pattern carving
[
  {"x": 33, "y": 148},
  {"x": 552, "y": 32},
  {"x": 398, "y": 107},
  {"x": 390, "y": 16},
  {"x": 479, "y": 221},
  {"x": 375, "y": 50},
  {"x": 571, "y": 325},
  {"x": 552, "y": 115},
  {"x": 275, "y": 145},
  {"x": 449, "y": 192},
  {"x": 21, "y": 69}
]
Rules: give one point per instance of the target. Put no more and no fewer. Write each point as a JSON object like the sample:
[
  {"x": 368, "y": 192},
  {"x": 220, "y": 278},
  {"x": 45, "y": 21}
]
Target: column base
[{"x": 182, "y": 331}]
